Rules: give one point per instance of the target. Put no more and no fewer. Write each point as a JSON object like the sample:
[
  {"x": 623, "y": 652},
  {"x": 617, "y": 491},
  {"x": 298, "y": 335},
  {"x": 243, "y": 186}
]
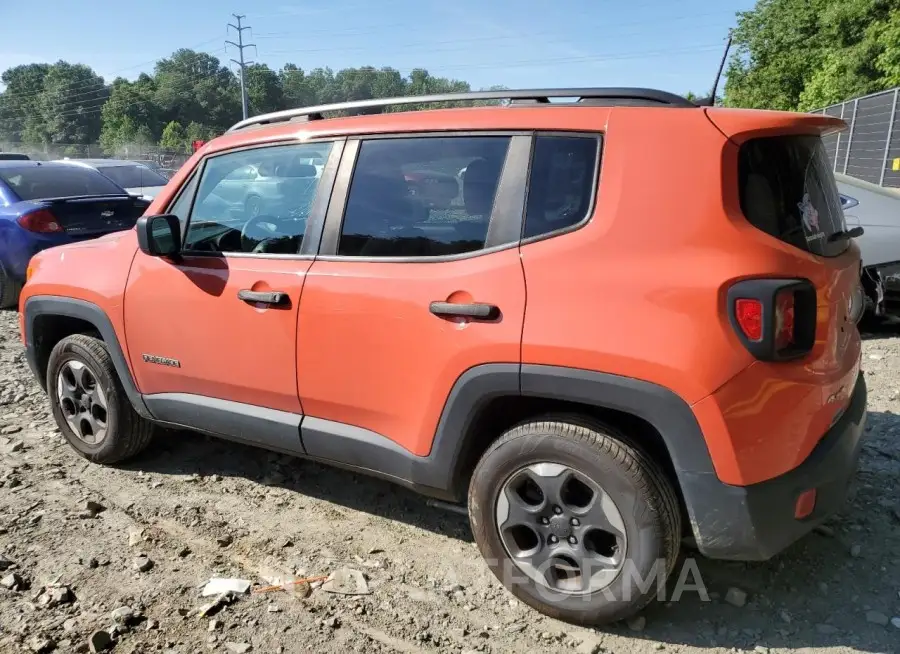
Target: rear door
[{"x": 410, "y": 290}]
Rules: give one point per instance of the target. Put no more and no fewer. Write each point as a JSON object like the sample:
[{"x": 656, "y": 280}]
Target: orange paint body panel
[
  {"x": 372, "y": 355},
  {"x": 227, "y": 348},
  {"x": 102, "y": 266}
]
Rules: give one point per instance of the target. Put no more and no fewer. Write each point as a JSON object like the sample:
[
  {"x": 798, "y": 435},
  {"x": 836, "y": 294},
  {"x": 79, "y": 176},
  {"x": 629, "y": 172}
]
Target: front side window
[
  {"x": 422, "y": 197},
  {"x": 255, "y": 201}
]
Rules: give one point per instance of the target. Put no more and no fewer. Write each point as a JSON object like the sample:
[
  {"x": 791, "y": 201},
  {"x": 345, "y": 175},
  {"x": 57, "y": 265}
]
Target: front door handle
[
  {"x": 476, "y": 310},
  {"x": 274, "y": 298}
]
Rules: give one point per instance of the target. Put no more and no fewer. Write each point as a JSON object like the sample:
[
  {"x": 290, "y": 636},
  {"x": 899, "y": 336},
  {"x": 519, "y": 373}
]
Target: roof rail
[{"x": 585, "y": 96}]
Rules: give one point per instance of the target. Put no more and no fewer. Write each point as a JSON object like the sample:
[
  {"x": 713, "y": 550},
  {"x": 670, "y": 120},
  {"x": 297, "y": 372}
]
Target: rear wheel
[
  {"x": 575, "y": 520},
  {"x": 89, "y": 403}
]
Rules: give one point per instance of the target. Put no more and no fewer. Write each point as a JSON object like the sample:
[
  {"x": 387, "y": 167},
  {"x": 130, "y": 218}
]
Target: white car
[
  {"x": 877, "y": 210},
  {"x": 134, "y": 177}
]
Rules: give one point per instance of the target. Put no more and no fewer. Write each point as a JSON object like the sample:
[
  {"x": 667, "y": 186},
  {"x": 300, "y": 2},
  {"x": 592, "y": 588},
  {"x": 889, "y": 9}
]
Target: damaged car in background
[{"x": 877, "y": 210}]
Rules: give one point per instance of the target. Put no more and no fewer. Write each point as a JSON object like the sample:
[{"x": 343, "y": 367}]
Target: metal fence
[{"x": 870, "y": 148}]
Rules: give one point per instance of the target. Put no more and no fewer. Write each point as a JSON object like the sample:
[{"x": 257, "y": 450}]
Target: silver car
[
  {"x": 877, "y": 210},
  {"x": 134, "y": 177}
]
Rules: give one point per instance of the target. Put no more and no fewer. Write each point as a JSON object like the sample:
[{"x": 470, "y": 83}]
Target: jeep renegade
[{"x": 608, "y": 322}]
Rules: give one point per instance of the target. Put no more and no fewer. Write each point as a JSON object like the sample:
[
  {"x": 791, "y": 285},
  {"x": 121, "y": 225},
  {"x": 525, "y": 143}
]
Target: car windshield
[
  {"x": 59, "y": 181},
  {"x": 133, "y": 176}
]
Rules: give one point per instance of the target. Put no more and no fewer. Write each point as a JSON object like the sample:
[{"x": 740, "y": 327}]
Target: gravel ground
[{"x": 125, "y": 551}]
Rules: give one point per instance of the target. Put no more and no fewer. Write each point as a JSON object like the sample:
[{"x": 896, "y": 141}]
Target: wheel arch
[
  {"x": 486, "y": 400},
  {"x": 49, "y": 319}
]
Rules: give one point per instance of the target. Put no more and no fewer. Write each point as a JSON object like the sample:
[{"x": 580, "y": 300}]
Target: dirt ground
[{"x": 132, "y": 565}]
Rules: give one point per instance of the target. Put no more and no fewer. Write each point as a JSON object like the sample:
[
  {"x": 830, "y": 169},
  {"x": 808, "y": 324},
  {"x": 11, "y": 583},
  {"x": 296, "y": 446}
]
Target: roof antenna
[{"x": 711, "y": 100}]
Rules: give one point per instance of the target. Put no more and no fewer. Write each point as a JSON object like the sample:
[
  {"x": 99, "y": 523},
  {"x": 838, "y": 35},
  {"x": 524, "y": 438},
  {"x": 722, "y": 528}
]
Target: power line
[{"x": 240, "y": 45}]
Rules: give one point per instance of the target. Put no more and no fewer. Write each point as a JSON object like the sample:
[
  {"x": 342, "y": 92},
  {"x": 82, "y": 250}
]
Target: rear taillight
[
  {"x": 41, "y": 221},
  {"x": 748, "y": 314},
  {"x": 784, "y": 319},
  {"x": 774, "y": 318}
]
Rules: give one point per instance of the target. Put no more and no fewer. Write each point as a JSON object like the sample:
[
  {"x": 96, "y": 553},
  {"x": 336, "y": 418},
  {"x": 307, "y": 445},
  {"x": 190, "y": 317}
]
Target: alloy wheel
[{"x": 561, "y": 528}]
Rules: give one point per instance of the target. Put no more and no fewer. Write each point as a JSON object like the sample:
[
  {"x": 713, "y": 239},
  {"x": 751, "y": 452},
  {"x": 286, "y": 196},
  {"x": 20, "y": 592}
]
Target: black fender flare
[
  {"x": 668, "y": 413},
  {"x": 52, "y": 305}
]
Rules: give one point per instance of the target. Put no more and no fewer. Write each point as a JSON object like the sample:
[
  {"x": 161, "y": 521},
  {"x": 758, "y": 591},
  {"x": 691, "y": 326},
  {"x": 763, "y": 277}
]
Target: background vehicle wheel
[
  {"x": 574, "y": 519},
  {"x": 9, "y": 290},
  {"x": 89, "y": 404}
]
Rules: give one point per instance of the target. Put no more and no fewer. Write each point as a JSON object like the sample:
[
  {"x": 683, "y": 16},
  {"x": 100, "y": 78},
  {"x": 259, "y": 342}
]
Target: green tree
[
  {"x": 297, "y": 89},
  {"x": 195, "y": 87},
  {"x": 173, "y": 137},
  {"x": 69, "y": 106},
  {"x": 804, "y": 54},
  {"x": 198, "y": 132},
  {"x": 130, "y": 105},
  {"x": 19, "y": 102},
  {"x": 264, "y": 93}
]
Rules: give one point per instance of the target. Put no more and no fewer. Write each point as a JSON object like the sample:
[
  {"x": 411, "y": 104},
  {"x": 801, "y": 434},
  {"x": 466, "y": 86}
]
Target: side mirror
[{"x": 159, "y": 236}]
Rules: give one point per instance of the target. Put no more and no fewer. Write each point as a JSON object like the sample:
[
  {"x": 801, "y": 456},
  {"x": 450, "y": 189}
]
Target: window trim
[
  {"x": 319, "y": 205},
  {"x": 506, "y": 217},
  {"x": 595, "y": 187}
]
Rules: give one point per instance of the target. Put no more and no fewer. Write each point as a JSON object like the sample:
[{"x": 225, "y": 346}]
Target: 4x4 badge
[{"x": 163, "y": 361}]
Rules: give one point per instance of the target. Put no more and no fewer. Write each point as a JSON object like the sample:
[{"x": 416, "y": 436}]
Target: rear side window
[
  {"x": 561, "y": 186},
  {"x": 422, "y": 196},
  {"x": 56, "y": 181},
  {"x": 787, "y": 190}
]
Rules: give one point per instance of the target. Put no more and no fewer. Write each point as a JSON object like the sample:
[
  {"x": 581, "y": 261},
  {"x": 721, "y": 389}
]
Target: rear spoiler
[{"x": 739, "y": 125}]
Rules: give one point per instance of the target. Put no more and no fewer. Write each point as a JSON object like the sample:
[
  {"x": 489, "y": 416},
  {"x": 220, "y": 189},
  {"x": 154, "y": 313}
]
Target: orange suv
[{"x": 609, "y": 322}]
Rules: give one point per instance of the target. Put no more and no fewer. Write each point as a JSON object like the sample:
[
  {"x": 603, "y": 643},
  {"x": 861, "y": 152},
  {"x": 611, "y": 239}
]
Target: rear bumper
[{"x": 753, "y": 523}]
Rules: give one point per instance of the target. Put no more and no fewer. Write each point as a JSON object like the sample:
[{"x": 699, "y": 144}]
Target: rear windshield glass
[
  {"x": 59, "y": 181},
  {"x": 133, "y": 176},
  {"x": 788, "y": 190}
]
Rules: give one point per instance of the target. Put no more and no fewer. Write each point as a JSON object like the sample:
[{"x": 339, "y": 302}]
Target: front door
[
  {"x": 212, "y": 337},
  {"x": 417, "y": 281}
]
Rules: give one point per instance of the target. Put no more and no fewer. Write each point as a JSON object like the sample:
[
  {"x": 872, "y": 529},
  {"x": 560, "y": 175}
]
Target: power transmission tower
[{"x": 240, "y": 45}]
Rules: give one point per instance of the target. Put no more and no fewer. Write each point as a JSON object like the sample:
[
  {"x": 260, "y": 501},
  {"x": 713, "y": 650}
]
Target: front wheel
[
  {"x": 575, "y": 520},
  {"x": 9, "y": 290},
  {"x": 89, "y": 403}
]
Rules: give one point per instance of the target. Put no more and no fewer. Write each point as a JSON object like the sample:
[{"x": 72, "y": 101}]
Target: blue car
[{"x": 44, "y": 203}]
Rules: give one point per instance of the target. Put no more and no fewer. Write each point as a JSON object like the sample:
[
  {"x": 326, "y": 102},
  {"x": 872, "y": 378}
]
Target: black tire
[
  {"x": 9, "y": 290},
  {"x": 624, "y": 472},
  {"x": 127, "y": 434}
]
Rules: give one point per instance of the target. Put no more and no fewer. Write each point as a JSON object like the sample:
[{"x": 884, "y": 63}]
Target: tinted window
[
  {"x": 56, "y": 181},
  {"x": 428, "y": 196},
  {"x": 561, "y": 186},
  {"x": 788, "y": 191},
  {"x": 262, "y": 213},
  {"x": 133, "y": 176}
]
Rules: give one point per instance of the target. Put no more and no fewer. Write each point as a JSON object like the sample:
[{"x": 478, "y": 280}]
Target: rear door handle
[
  {"x": 271, "y": 297},
  {"x": 477, "y": 310}
]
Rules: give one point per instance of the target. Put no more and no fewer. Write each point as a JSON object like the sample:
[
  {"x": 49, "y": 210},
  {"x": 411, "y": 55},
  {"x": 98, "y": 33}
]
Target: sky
[{"x": 675, "y": 46}]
